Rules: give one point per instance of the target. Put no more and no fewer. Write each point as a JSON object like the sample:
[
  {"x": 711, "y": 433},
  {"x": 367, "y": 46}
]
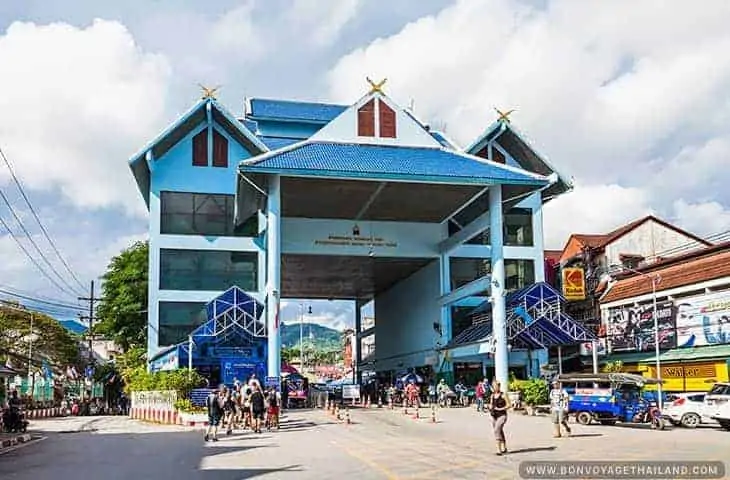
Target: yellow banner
[
  {"x": 574, "y": 284},
  {"x": 690, "y": 377}
]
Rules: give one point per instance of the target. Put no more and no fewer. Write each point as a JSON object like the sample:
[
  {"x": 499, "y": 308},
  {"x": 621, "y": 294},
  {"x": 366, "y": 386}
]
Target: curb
[{"x": 13, "y": 441}]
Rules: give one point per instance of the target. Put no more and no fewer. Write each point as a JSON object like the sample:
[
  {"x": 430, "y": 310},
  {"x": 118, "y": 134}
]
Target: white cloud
[
  {"x": 334, "y": 314},
  {"x": 237, "y": 31},
  {"x": 592, "y": 209},
  {"x": 704, "y": 218},
  {"x": 323, "y": 20},
  {"x": 77, "y": 102},
  {"x": 628, "y": 97}
]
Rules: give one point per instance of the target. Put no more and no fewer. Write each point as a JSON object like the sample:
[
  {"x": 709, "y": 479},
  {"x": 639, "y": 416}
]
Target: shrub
[
  {"x": 186, "y": 406},
  {"x": 535, "y": 391},
  {"x": 182, "y": 381}
]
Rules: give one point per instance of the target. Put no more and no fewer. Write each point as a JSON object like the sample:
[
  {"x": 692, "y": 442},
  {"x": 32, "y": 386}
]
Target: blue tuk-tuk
[{"x": 609, "y": 398}]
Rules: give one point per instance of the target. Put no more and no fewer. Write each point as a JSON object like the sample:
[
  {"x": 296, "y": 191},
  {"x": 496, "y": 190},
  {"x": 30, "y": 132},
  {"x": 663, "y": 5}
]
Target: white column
[
  {"x": 273, "y": 274},
  {"x": 538, "y": 240},
  {"x": 499, "y": 314}
]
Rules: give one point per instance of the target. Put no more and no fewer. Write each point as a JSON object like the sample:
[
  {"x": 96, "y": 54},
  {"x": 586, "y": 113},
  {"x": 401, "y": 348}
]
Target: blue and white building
[{"x": 354, "y": 202}]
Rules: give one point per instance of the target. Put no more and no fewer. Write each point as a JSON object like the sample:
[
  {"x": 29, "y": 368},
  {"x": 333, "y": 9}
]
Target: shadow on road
[
  {"x": 133, "y": 455},
  {"x": 583, "y": 435},
  {"x": 533, "y": 449}
]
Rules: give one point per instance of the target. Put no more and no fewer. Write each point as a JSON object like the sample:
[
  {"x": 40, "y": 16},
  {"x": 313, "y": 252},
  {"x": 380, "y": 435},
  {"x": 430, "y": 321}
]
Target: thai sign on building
[
  {"x": 703, "y": 320},
  {"x": 574, "y": 284},
  {"x": 631, "y": 329},
  {"x": 356, "y": 241}
]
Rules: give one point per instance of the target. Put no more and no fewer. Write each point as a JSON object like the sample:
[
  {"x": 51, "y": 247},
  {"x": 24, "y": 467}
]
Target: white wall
[
  {"x": 648, "y": 240},
  {"x": 406, "y": 314}
]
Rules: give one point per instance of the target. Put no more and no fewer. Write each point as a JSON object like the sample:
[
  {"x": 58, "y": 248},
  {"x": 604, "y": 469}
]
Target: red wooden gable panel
[
  {"x": 200, "y": 149},
  {"x": 366, "y": 120},
  {"x": 220, "y": 150},
  {"x": 387, "y": 121}
]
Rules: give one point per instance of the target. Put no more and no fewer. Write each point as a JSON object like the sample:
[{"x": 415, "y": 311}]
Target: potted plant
[{"x": 535, "y": 392}]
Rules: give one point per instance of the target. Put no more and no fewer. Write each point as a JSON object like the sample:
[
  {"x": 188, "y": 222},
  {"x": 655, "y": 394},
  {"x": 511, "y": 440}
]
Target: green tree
[
  {"x": 122, "y": 311},
  {"x": 45, "y": 338}
]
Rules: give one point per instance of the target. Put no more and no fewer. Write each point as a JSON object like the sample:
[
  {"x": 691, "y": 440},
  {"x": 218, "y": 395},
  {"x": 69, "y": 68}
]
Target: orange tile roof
[{"x": 697, "y": 267}]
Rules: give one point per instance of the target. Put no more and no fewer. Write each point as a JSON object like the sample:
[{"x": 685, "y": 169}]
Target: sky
[{"x": 628, "y": 98}]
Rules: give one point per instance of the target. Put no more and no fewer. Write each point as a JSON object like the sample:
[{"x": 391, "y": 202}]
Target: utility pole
[{"x": 92, "y": 300}]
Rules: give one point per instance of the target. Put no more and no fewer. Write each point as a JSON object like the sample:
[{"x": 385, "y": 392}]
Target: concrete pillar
[
  {"x": 499, "y": 314},
  {"x": 538, "y": 239},
  {"x": 444, "y": 364},
  {"x": 356, "y": 350},
  {"x": 273, "y": 275}
]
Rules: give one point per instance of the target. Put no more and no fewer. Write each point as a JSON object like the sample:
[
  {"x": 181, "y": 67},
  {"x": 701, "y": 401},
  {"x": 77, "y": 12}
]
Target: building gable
[{"x": 376, "y": 119}]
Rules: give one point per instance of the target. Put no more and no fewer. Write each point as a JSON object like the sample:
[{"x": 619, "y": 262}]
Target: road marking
[{"x": 21, "y": 445}]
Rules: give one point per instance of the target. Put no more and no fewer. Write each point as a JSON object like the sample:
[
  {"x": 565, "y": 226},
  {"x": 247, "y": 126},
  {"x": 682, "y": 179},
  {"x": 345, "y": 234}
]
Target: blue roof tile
[
  {"x": 275, "y": 143},
  {"x": 294, "y": 111},
  {"x": 387, "y": 162}
]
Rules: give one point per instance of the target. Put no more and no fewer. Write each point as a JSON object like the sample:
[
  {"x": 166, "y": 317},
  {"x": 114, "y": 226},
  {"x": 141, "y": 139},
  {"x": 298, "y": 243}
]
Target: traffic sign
[{"x": 272, "y": 382}]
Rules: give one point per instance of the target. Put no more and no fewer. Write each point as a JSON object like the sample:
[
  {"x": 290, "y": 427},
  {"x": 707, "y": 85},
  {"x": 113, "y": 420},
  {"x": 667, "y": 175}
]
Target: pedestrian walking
[
  {"x": 559, "y": 409},
  {"x": 258, "y": 408},
  {"x": 479, "y": 396},
  {"x": 214, "y": 403},
  {"x": 498, "y": 407}
]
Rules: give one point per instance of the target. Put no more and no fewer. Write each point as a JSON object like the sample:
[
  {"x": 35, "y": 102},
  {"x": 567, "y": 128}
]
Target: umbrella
[{"x": 411, "y": 377}]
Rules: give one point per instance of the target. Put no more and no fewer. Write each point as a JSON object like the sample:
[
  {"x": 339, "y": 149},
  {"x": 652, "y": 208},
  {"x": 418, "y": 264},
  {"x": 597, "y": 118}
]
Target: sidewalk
[{"x": 8, "y": 440}]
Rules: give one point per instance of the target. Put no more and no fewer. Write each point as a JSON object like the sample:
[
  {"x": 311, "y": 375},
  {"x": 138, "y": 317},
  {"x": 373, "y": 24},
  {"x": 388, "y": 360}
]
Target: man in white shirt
[{"x": 559, "y": 409}]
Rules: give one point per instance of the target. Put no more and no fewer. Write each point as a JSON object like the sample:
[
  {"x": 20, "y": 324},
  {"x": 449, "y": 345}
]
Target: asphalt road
[{"x": 115, "y": 448}]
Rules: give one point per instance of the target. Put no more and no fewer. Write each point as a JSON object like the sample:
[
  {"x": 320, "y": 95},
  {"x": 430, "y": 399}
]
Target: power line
[
  {"x": 37, "y": 218},
  {"x": 38, "y": 300},
  {"x": 30, "y": 257},
  {"x": 18, "y": 292},
  {"x": 30, "y": 239}
]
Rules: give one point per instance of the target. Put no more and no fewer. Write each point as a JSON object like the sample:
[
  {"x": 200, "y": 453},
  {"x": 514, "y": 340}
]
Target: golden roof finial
[
  {"x": 504, "y": 116},
  {"x": 209, "y": 92},
  {"x": 376, "y": 86}
]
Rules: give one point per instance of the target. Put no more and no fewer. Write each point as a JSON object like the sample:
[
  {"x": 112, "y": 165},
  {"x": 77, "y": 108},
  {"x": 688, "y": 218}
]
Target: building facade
[
  {"x": 693, "y": 309},
  {"x": 362, "y": 202}
]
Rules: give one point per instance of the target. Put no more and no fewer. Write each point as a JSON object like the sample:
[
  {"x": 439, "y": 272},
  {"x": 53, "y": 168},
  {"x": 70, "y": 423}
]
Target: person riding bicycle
[
  {"x": 412, "y": 394},
  {"x": 443, "y": 391}
]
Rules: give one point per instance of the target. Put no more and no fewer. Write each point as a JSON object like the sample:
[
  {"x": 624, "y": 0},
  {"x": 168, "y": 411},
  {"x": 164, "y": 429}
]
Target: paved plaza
[{"x": 379, "y": 444}]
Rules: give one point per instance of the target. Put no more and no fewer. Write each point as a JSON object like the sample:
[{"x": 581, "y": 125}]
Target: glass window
[
  {"x": 177, "y": 320},
  {"x": 518, "y": 273},
  {"x": 202, "y": 214},
  {"x": 465, "y": 270},
  {"x": 461, "y": 319},
  {"x": 211, "y": 270},
  {"x": 517, "y": 230}
]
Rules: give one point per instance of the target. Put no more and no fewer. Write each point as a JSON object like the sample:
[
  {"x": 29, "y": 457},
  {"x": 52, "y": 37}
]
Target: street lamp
[
  {"x": 301, "y": 334},
  {"x": 655, "y": 280}
]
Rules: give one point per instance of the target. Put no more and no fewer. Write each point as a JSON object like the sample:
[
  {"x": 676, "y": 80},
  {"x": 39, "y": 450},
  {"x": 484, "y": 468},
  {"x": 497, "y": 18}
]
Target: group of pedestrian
[
  {"x": 246, "y": 406},
  {"x": 498, "y": 406}
]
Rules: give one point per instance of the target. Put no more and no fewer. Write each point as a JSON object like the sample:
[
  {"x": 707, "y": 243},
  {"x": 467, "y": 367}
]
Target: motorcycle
[
  {"x": 14, "y": 421},
  {"x": 649, "y": 413}
]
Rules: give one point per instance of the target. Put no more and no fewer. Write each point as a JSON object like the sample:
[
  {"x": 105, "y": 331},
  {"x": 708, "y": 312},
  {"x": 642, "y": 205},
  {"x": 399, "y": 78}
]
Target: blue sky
[{"x": 629, "y": 98}]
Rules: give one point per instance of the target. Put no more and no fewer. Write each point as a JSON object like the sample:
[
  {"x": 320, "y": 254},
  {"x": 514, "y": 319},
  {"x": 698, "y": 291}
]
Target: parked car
[
  {"x": 687, "y": 409},
  {"x": 722, "y": 416}
]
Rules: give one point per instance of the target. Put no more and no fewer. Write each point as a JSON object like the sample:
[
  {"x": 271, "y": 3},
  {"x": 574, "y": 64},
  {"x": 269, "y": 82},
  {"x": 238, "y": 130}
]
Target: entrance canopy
[
  {"x": 343, "y": 277},
  {"x": 535, "y": 320},
  {"x": 376, "y": 182},
  {"x": 234, "y": 329}
]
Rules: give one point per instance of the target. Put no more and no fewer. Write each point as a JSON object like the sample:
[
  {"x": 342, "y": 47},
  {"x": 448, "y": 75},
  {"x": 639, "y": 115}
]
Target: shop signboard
[
  {"x": 691, "y": 377},
  {"x": 631, "y": 328},
  {"x": 703, "y": 320},
  {"x": 350, "y": 392},
  {"x": 586, "y": 349},
  {"x": 574, "y": 284}
]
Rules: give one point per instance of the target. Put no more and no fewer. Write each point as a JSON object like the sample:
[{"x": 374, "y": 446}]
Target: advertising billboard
[
  {"x": 574, "y": 284},
  {"x": 703, "y": 320},
  {"x": 631, "y": 328}
]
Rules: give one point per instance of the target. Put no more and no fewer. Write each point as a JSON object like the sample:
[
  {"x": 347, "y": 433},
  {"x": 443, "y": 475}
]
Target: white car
[
  {"x": 722, "y": 416},
  {"x": 717, "y": 403},
  {"x": 688, "y": 410}
]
